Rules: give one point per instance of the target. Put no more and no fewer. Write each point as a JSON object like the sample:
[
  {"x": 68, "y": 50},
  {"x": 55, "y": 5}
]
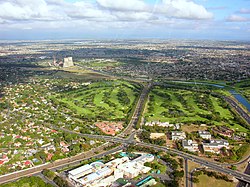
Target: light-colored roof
[
  {"x": 177, "y": 133},
  {"x": 80, "y": 169},
  {"x": 204, "y": 133}
]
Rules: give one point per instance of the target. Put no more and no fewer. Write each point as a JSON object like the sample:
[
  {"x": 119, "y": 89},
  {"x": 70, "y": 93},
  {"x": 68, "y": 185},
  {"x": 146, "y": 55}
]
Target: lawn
[
  {"x": 205, "y": 181},
  {"x": 182, "y": 106},
  {"x": 103, "y": 100}
]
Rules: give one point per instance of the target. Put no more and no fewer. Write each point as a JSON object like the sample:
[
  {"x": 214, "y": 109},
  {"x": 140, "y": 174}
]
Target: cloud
[
  {"x": 244, "y": 11},
  {"x": 184, "y": 9},
  {"x": 121, "y": 5},
  {"x": 28, "y": 10},
  {"x": 236, "y": 18},
  {"x": 100, "y": 13}
]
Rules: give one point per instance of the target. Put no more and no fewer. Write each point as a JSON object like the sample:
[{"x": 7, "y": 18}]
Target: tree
[
  {"x": 60, "y": 182},
  {"x": 48, "y": 173},
  {"x": 178, "y": 174},
  {"x": 233, "y": 167},
  {"x": 195, "y": 180}
]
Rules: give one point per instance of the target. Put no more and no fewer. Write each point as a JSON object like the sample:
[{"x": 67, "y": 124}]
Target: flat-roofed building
[
  {"x": 178, "y": 135},
  {"x": 190, "y": 145},
  {"x": 114, "y": 163},
  {"x": 214, "y": 146},
  {"x": 205, "y": 134},
  {"x": 135, "y": 167},
  {"x": 100, "y": 174},
  {"x": 80, "y": 172}
]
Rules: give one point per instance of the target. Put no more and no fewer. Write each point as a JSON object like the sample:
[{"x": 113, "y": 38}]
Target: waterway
[
  {"x": 236, "y": 95},
  {"x": 241, "y": 99}
]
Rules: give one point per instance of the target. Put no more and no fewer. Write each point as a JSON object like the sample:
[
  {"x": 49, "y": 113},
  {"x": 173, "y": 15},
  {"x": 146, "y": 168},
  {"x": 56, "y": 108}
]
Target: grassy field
[
  {"x": 27, "y": 182},
  {"x": 101, "y": 63},
  {"x": 182, "y": 106},
  {"x": 104, "y": 100},
  {"x": 205, "y": 181}
]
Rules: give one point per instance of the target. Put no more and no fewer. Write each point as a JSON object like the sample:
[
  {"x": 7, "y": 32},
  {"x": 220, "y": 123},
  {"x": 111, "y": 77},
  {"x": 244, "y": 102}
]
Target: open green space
[
  {"x": 189, "y": 107},
  {"x": 244, "y": 88},
  {"x": 205, "y": 181},
  {"x": 101, "y": 63},
  {"x": 27, "y": 182},
  {"x": 103, "y": 100}
]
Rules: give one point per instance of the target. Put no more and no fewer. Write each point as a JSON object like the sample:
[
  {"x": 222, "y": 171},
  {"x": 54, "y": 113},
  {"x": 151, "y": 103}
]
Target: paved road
[
  {"x": 212, "y": 165},
  {"x": 47, "y": 180},
  {"x": 54, "y": 165},
  {"x": 244, "y": 184},
  {"x": 247, "y": 158},
  {"x": 229, "y": 100},
  {"x": 163, "y": 177},
  {"x": 238, "y": 108},
  {"x": 129, "y": 140},
  {"x": 186, "y": 171},
  {"x": 137, "y": 112},
  {"x": 191, "y": 175}
]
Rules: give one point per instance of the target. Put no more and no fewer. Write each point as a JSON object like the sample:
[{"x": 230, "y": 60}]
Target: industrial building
[{"x": 68, "y": 62}]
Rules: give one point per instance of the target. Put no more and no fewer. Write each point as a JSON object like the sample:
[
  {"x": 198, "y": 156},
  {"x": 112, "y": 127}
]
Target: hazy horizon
[{"x": 108, "y": 19}]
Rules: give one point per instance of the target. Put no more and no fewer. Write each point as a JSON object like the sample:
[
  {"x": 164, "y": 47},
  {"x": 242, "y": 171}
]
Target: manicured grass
[
  {"x": 206, "y": 181},
  {"x": 182, "y": 106},
  {"x": 104, "y": 100}
]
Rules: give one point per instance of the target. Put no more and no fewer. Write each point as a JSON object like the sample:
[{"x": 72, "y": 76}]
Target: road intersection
[{"x": 129, "y": 130}]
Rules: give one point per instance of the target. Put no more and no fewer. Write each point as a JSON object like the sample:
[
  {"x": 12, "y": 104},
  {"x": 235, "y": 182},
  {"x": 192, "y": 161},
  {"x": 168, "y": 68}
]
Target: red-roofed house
[
  {"x": 27, "y": 163},
  {"x": 49, "y": 156}
]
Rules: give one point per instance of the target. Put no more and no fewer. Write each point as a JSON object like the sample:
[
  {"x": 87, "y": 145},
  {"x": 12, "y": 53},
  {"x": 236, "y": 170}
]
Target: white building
[
  {"x": 190, "y": 145},
  {"x": 135, "y": 167},
  {"x": 98, "y": 174},
  {"x": 214, "y": 146},
  {"x": 93, "y": 177},
  {"x": 114, "y": 163},
  {"x": 205, "y": 135},
  {"x": 178, "y": 135},
  {"x": 162, "y": 124},
  {"x": 80, "y": 172}
]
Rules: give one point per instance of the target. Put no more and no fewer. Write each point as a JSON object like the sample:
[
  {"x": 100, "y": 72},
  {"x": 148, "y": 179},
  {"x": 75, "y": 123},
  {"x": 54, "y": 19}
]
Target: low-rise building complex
[{"x": 98, "y": 174}]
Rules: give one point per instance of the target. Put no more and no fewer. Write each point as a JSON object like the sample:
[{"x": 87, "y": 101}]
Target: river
[{"x": 236, "y": 95}]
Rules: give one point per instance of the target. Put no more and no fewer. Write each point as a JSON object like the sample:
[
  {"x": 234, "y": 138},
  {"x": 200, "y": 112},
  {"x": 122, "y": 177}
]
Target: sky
[{"x": 124, "y": 19}]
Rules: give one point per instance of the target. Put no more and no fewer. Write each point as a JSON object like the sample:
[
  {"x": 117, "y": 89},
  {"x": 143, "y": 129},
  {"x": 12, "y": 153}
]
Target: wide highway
[
  {"x": 215, "y": 166},
  {"x": 130, "y": 141}
]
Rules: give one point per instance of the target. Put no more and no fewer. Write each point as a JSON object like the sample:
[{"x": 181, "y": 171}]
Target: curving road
[
  {"x": 130, "y": 140},
  {"x": 238, "y": 108},
  {"x": 215, "y": 166}
]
